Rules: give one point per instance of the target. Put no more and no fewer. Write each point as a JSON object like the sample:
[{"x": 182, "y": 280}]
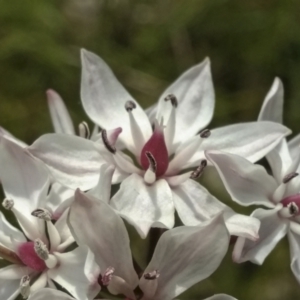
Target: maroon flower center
[
  {"x": 157, "y": 147},
  {"x": 292, "y": 200},
  {"x": 29, "y": 257}
]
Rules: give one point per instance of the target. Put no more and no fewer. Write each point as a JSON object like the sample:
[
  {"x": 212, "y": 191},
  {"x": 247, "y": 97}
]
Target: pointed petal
[
  {"x": 24, "y": 179},
  {"x": 71, "y": 270},
  {"x": 272, "y": 108},
  {"x": 294, "y": 145},
  {"x": 49, "y": 294},
  {"x": 195, "y": 205},
  {"x": 144, "y": 206},
  {"x": 272, "y": 230},
  {"x": 246, "y": 183},
  {"x": 12, "y": 138},
  {"x": 110, "y": 242},
  {"x": 9, "y": 234},
  {"x": 104, "y": 98},
  {"x": 196, "y": 100},
  {"x": 186, "y": 255},
  {"x": 251, "y": 140},
  {"x": 61, "y": 119},
  {"x": 294, "y": 240},
  {"x": 73, "y": 161},
  {"x": 102, "y": 189}
]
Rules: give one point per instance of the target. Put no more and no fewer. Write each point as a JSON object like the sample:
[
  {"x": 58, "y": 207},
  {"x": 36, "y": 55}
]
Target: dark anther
[
  {"x": 42, "y": 214},
  {"x": 106, "y": 143},
  {"x": 293, "y": 208},
  {"x": 130, "y": 105},
  {"x": 173, "y": 100},
  {"x": 289, "y": 177},
  {"x": 152, "y": 275},
  {"x": 205, "y": 133},
  {"x": 152, "y": 161},
  {"x": 199, "y": 171}
]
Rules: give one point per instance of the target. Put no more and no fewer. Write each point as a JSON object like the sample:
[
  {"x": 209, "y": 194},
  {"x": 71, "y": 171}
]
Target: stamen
[
  {"x": 84, "y": 130},
  {"x": 293, "y": 208},
  {"x": 42, "y": 214},
  {"x": 25, "y": 286},
  {"x": 205, "y": 133},
  {"x": 106, "y": 142},
  {"x": 41, "y": 249},
  {"x": 287, "y": 178},
  {"x": 152, "y": 161},
  {"x": 199, "y": 171},
  {"x": 8, "y": 204},
  {"x": 106, "y": 278},
  {"x": 152, "y": 275},
  {"x": 130, "y": 105},
  {"x": 173, "y": 100}
]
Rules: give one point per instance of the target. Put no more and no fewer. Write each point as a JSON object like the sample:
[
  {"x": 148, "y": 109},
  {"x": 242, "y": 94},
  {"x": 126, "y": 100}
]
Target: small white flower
[
  {"x": 183, "y": 256},
  {"x": 37, "y": 254},
  {"x": 250, "y": 184}
]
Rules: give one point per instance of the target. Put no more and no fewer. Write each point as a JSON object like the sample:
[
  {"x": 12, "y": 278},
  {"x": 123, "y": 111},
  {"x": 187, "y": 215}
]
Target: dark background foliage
[{"x": 149, "y": 44}]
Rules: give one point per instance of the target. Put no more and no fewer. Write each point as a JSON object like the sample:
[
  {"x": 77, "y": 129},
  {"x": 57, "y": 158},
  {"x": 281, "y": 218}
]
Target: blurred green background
[{"x": 149, "y": 44}]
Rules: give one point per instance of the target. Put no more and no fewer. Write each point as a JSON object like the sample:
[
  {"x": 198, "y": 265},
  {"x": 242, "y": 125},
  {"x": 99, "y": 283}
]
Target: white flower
[
  {"x": 48, "y": 294},
  {"x": 37, "y": 254},
  {"x": 183, "y": 255},
  {"x": 150, "y": 193},
  {"x": 250, "y": 184}
]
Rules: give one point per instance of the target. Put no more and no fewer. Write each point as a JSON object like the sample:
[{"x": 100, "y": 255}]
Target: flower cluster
[{"x": 72, "y": 243}]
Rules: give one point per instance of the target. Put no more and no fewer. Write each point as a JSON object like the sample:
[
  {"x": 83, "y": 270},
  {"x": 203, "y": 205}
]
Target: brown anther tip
[
  {"x": 152, "y": 161},
  {"x": 205, "y": 133},
  {"x": 173, "y": 100},
  {"x": 130, "y": 105},
  {"x": 106, "y": 142},
  {"x": 42, "y": 214},
  {"x": 199, "y": 171},
  {"x": 289, "y": 177},
  {"x": 293, "y": 208},
  {"x": 152, "y": 275}
]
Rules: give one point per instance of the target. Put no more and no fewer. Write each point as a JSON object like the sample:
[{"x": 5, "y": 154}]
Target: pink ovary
[{"x": 29, "y": 257}]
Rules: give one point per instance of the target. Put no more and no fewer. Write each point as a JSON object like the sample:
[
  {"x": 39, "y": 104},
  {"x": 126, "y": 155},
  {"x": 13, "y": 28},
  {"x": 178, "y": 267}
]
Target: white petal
[
  {"x": 294, "y": 145},
  {"x": 70, "y": 274},
  {"x": 151, "y": 112},
  {"x": 61, "y": 119},
  {"x": 272, "y": 230},
  {"x": 196, "y": 99},
  {"x": 73, "y": 161},
  {"x": 12, "y": 138},
  {"x": 24, "y": 179},
  {"x": 294, "y": 240},
  {"x": 64, "y": 231},
  {"x": 118, "y": 285},
  {"x": 194, "y": 204},
  {"x": 186, "y": 255},
  {"x": 40, "y": 282},
  {"x": 221, "y": 297},
  {"x": 102, "y": 189},
  {"x": 104, "y": 98},
  {"x": 9, "y": 234},
  {"x": 280, "y": 160},
  {"x": 9, "y": 289},
  {"x": 246, "y": 183},
  {"x": 144, "y": 206},
  {"x": 13, "y": 272},
  {"x": 104, "y": 233},
  {"x": 240, "y": 225},
  {"x": 49, "y": 294},
  {"x": 272, "y": 108},
  {"x": 251, "y": 140}
]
